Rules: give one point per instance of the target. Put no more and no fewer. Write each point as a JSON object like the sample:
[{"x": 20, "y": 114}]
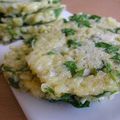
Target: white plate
[{"x": 35, "y": 109}]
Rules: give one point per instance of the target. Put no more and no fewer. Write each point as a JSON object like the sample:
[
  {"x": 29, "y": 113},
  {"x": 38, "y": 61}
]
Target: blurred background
[{"x": 100, "y": 7}]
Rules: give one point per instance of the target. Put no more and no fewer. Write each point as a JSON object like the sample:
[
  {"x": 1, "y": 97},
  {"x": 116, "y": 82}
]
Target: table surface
[{"x": 9, "y": 108}]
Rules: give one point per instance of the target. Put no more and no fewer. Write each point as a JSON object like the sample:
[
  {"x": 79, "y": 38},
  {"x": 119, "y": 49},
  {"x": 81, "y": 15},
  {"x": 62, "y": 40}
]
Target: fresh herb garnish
[
  {"x": 73, "y": 99},
  {"x": 14, "y": 82},
  {"x": 72, "y": 67},
  {"x": 117, "y": 73},
  {"x": 68, "y": 31},
  {"x": 58, "y": 12},
  {"x": 12, "y": 32},
  {"x": 107, "y": 68},
  {"x": 81, "y": 20},
  {"x": 23, "y": 69},
  {"x": 116, "y": 30},
  {"x": 73, "y": 43},
  {"x": 5, "y": 68},
  {"x": 116, "y": 57},
  {"x": 49, "y": 90},
  {"x": 108, "y": 47},
  {"x": 95, "y": 17},
  {"x": 51, "y": 53},
  {"x": 31, "y": 41},
  {"x": 65, "y": 20},
  {"x": 103, "y": 94},
  {"x": 56, "y": 1},
  {"x": 80, "y": 72},
  {"x": 111, "y": 30}
]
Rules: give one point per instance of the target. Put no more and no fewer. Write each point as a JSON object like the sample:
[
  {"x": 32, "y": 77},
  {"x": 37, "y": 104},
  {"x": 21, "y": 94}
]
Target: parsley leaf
[
  {"x": 5, "y": 68},
  {"x": 58, "y": 12},
  {"x": 30, "y": 42},
  {"x": 81, "y": 20},
  {"x": 68, "y": 31},
  {"x": 71, "y": 66},
  {"x": 108, "y": 47},
  {"x": 102, "y": 45},
  {"x": 56, "y": 1},
  {"x": 116, "y": 30},
  {"x": 80, "y": 72},
  {"x": 107, "y": 68},
  {"x": 73, "y": 43},
  {"x": 104, "y": 93},
  {"x": 65, "y": 20},
  {"x": 73, "y": 100},
  {"x": 49, "y": 90},
  {"x": 116, "y": 57},
  {"x": 95, "y": 17},
  {"x": 12, "y": 32},
  {"x": 51, "y": 53}
]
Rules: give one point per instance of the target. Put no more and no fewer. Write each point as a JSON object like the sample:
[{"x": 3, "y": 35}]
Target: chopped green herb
[
  {"x": 100, "y": 95},
  {"x": 49, "y": 90},
  {"x": 5, "y": 68},
  {"x": 108, "y": 47},
  {"x": 65, "y": 20},
  {"x": 102, "y": 45},
  {"x": 31, "y": 41},
  {"x": 56, "y": 1},
  {"x": 95, "y": 17},
  {"x": 107, "y": 68},
  {"x": 116, "y": 30},
  {"x": 51, "y": 53},
  {"x": 111, "y": 30},
  {"x": 117, "y": 73},
  {"x": 80, "y": 72},
  {"x": 103, "y": 94},
  {"x": 14, "y": 82},
  {"x": 23, "y": 69},
  {"x": 71, "y": 66},
  {"x": 58, "y": 12},
  {"x": 116, "y": 57},
  {"x": 81, "y": 20},
  {"x": 74, "y": 100},
  {"x": 112, "y": 49},
  {"x": 114, "y": 74},
  {"x": 73, "y": 43},
  {"x": 12, "y": 32},
  {"x": 68, "y": 31}
]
